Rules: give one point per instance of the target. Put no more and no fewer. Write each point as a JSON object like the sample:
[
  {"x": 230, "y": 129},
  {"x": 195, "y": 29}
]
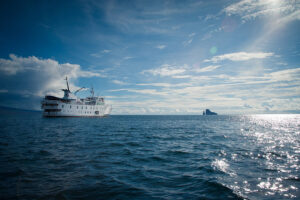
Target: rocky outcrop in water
[{"x": 208, "y": 112}]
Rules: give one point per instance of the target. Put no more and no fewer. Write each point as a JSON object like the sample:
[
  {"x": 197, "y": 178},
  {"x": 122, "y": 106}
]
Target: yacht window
[{"x": 62, "y": 106}]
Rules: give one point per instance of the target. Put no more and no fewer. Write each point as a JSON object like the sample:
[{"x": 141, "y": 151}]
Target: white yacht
[{"x": 72, "y": 106}]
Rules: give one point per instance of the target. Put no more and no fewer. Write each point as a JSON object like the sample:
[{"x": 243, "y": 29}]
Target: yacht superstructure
[{"x": 72, "y": 106}]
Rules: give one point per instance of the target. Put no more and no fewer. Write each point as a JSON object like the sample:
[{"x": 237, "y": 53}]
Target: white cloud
[
  {"x": 161, "y": 46},
  {"x": 206, "y": 69},
  {"x": 189, "y": 39},
  {"x": 251, "y": 9},
  {"x": 240, "y": 56},
  {"x": 164, "y": 84},
  {"x": 192, "y": 34},
  {"x": 119, "y": 82},
  {"x": 286, "y": 75},
  {"x": 99, "y": 55},
  {"x": 181, "y": 76},
  {"x": 188, "y": 42},
  {"x": 293, "y": 16},
  {"x": 210, "y": 33},
  {"x": 278, "y": 88},
  {"x": 106, "y": 51},
  {"x": 209, "y": 17},
  {"x": 166, "y": 70},
  {"x": 138, "y": 18},
  {"x": 127, "y": 57},
  {"x": 155, "y": 84},
  {"x": 39, "y": 76},
  {"x": 142, "y": 91}
]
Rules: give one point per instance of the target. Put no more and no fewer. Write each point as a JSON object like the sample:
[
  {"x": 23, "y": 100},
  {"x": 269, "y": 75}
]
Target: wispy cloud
[
  {"x": 127, "y": 57},
  {"x": 206, "y": 69},
  {"x": 99, "y": 55},
  {"x": 266, "y": 89},
  {"x": 134, "y": 17},
  {"x": 192, "y": 34},
  {"x": 286, "y": 75},
  {"x": 210, "y": 33},
  {"x": 182, "y": 76},
  {"x": 164, "y": 84},
  {"x": 3, "y": 91},
  {"x": 189, "y": 40},
  {"x": 251, "y": 9},
  {"x": 118, "y": 82},
  {"x": 209, "y": 17},
  {"x": 290, "y": 17},
  {"x": 186, "y": 43},
  {"x": 240, "y": 56},
  {"x": 106, "y": 51},
  {"x": 142, "y": 91},
  {"x": 166, "y": 70},
  {"x": 161, "y": 46}
]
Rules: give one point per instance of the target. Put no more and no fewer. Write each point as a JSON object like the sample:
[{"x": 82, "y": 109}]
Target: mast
[
  {"x": 67, "y": 83},
  {"x": 92, "y": 91},
  {"x": 66, "y": 91}
]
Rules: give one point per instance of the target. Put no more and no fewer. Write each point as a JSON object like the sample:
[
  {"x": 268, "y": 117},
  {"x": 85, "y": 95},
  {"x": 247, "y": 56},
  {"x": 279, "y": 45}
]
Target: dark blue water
[{"x": 149, "y": 157}]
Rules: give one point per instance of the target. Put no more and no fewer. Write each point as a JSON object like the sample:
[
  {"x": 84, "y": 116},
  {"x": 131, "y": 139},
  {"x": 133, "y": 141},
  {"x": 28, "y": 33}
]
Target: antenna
[
  {"x": 92, "y": 91},
  {"x": 79, "y": 90},
  {"x": 67, "y": 83}
]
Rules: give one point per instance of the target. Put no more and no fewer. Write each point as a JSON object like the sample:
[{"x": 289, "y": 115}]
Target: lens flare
[{"x": 213, "y": 50}]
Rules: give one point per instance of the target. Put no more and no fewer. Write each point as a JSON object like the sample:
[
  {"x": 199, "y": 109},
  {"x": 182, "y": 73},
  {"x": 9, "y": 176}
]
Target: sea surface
[{"x": 149, "y": 157}]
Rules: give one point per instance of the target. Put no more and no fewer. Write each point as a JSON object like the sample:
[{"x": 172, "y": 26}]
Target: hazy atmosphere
[{"x": 154, "y": 57}]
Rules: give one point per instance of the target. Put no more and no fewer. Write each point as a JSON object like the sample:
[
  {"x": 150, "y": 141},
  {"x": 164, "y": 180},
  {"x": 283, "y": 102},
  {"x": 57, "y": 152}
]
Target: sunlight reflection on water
[{"x": 275, "y": 140}]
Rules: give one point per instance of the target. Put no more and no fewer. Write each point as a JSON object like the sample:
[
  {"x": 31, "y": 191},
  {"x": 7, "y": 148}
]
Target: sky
[{"x": 154, "y": 57}]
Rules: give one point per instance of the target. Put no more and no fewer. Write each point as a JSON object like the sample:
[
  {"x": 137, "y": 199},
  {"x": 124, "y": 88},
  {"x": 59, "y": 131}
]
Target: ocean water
[{"x": 149, "y": 157}]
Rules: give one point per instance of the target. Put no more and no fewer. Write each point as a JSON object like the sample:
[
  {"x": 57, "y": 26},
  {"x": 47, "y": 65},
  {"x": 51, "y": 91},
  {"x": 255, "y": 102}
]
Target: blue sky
[{"x": 154, "y": 57}]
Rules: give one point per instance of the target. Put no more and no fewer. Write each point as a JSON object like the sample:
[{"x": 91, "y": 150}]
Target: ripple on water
[
  {"x": 150, "y": 157},
  {"x": 223, "y": 166}
]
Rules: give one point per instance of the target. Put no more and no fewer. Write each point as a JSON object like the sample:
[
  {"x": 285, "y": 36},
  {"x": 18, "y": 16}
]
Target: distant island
[{"x": 208, "y": 112}]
